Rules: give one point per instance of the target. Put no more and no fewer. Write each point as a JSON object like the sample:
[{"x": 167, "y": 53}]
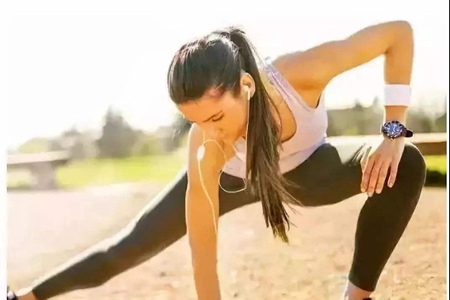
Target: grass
[
  {"x": 436, "y": 170},
  {"x": 437, "y": 163},
  {"x": 160, "y": 168}
]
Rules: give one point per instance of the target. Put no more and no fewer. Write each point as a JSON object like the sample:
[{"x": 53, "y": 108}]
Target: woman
[{"x": 259, "y": 135}]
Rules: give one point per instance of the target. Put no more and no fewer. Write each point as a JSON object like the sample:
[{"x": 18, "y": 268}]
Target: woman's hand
[{"x": 380, "y": 162}]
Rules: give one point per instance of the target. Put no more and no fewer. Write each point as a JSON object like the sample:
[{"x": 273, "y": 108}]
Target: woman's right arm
[
  {"x": 202, "y": 213},
  {"x": 134, "y": 245}
]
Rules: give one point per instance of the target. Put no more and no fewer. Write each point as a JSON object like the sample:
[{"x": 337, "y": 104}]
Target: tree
[
  {"x": 419, "y": 121},
  {"x": 35, "y": 145},
  {"x": 147, "y": 144},
  {"x": 181, "y": 125},
  {"x": 181, "y": 128},
  {"x": 117, "y": 138},
  {"x": 441, "y": 123}
]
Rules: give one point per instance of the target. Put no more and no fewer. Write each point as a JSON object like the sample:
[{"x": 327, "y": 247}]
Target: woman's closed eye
[{"x": 218, "y": 118}]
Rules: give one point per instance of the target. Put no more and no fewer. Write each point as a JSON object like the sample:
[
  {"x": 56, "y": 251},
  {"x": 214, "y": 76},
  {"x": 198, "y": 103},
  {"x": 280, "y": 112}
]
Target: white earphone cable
[{"x": 200, "y": 154}]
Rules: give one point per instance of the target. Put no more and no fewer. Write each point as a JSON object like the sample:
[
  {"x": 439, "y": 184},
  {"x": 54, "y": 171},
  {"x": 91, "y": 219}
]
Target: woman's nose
[{"x": 214, "y": 131}]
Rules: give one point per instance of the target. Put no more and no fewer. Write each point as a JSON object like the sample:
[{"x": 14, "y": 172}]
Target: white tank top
[{"x": 311, "y": 130}]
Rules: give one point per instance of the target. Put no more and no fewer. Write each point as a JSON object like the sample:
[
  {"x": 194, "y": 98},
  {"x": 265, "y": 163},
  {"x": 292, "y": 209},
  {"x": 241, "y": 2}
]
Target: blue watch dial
[{"x": 393, "y": 129}]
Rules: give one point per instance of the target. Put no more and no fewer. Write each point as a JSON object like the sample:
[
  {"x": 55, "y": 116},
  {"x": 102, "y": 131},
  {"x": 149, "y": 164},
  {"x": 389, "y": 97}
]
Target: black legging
[{"x": 330, "y": 175}]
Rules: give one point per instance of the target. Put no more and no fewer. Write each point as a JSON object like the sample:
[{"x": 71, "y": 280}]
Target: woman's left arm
[
  {"x": 310, "y": 71},
  {"x": 314, "y": 68}
]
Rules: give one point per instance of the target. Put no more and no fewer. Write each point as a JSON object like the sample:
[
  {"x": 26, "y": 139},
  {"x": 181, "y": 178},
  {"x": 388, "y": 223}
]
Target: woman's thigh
[{"x": 330, "y": 175}]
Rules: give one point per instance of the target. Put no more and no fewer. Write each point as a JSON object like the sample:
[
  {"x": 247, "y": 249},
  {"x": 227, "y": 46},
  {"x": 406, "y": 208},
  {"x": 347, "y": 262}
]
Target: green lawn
[
  {"x": 160, "y": 168},
  {"x": 437, "y": 163},
  {"x": 154, "y": 168}
]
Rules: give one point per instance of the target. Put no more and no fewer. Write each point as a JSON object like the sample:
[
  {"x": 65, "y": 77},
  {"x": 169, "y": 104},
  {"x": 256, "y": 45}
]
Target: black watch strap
[{"x": 407, "y": 133}]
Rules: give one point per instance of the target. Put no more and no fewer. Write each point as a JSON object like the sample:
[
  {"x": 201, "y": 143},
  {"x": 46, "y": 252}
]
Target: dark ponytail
[
  {"x": 217, "y": 60},
  {"x": 264, "y": 137}
]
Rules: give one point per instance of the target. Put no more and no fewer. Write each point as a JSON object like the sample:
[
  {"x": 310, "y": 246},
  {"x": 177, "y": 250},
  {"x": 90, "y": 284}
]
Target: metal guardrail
[
  {"x": 41, "y": 165},
  {"x": 32, "y": 158}
]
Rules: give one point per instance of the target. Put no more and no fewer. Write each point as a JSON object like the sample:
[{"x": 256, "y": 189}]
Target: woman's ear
[
  {"x": 249, "y": 94},
  {"x": 247, "y": 85}
]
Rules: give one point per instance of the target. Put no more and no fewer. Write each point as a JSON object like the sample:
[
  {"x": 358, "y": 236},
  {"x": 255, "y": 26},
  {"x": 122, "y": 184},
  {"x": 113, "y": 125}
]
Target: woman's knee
[{"x": 412, "y": 167}]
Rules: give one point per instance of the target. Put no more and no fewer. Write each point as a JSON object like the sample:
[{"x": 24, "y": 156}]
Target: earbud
[
  {"x": 248, "y": 94},
  {"x": 201, "y": 152}
]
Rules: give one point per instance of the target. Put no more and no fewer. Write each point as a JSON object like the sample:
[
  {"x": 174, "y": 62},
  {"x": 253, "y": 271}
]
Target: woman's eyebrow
[{"x": 215, "y": 115}]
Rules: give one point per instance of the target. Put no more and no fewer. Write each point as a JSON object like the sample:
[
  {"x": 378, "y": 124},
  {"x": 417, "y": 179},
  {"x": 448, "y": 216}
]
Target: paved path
[{"x": 47, "y": 228}]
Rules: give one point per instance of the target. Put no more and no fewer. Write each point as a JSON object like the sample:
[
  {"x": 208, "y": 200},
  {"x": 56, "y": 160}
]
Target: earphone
[{"x": 201, "y": 152}]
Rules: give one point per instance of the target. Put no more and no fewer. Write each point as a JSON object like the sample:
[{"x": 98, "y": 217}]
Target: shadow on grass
[{"x": 436, "y": 179}]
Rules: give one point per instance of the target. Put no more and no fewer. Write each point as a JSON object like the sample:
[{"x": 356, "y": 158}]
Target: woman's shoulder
[
  {"x": 294, "y": 68},
  {"x": 209, "y": 150}
]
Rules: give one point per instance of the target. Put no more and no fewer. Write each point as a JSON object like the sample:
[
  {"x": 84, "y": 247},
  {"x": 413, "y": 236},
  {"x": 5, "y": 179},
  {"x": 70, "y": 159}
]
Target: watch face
[{"x": 393, "y": 129}]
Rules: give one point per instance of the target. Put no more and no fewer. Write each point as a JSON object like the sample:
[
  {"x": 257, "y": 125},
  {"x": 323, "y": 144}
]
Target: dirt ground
[{"x": 47, "y": 228}]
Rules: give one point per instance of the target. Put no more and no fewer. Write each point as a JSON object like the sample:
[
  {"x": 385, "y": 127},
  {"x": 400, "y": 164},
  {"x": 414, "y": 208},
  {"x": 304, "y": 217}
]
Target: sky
[{"x": 66, "y": 69}]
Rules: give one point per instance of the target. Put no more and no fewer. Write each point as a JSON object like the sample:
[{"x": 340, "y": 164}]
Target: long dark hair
[{"x": 216, "y": 61}]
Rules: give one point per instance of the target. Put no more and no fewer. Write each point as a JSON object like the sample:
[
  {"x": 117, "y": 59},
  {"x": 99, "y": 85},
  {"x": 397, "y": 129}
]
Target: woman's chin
[{"x": 230, "y": 139}]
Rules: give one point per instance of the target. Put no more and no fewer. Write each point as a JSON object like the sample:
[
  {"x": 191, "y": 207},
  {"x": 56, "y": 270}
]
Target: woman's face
[{"x": 222, "y": 116}]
